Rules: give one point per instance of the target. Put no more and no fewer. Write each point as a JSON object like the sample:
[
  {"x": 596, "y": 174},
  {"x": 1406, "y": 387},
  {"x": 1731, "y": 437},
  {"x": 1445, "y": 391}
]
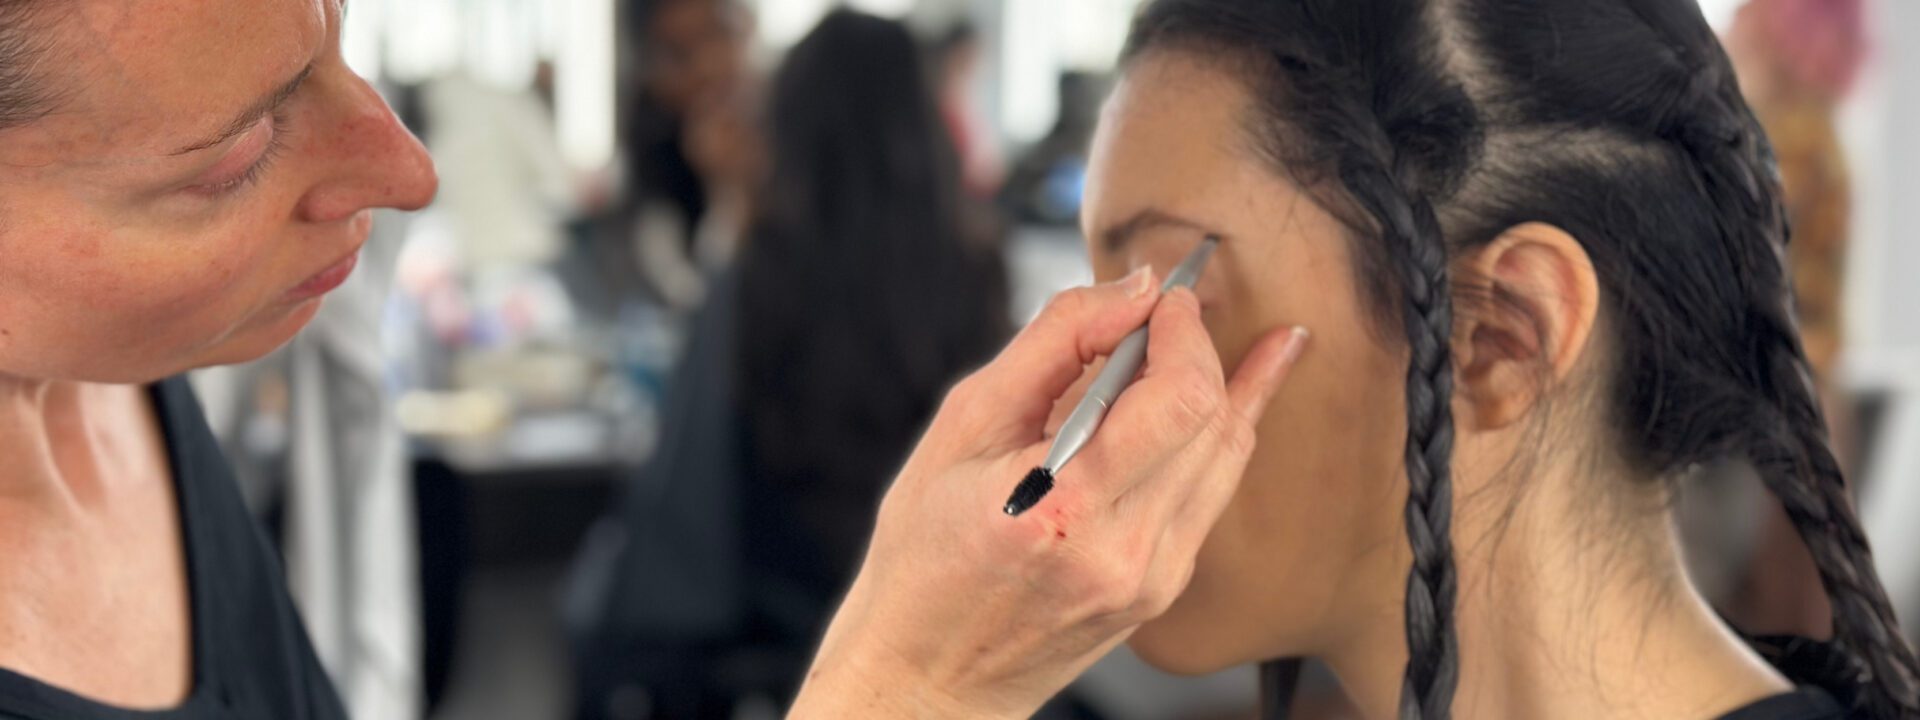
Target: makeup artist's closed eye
[
  {"x": 249, "y": 158},
  {"x": 253, "y": 139}
]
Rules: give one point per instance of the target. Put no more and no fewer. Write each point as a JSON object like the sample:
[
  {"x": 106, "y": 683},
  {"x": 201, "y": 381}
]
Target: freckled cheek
[{"x": 174, "y": 278}]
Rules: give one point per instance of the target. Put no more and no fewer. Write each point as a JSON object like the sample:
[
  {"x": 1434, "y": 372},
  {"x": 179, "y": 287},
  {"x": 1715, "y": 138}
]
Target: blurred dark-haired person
[
  {"x": 956, "y": 67},
  {"x": 859, "y": 297},
  {"x": 694, "y": 148}
]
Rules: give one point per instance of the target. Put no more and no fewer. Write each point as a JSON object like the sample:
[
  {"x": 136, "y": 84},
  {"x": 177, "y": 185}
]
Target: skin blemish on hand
[{"x": 1057, "y": 518}]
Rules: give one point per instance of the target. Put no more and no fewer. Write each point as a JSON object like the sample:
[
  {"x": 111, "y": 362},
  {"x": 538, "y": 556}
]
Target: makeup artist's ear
[{"x": 1531, "y": 301}]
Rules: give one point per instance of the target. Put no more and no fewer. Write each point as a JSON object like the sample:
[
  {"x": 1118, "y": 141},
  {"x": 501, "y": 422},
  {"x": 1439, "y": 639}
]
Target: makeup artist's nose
[{"x": 378, "y": 163}]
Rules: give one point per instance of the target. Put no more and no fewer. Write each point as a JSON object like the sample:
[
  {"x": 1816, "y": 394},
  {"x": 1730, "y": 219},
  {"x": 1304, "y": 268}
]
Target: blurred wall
[
  {"x": 1886, "y": 156},
  {"x": 1883, "y": 297}
]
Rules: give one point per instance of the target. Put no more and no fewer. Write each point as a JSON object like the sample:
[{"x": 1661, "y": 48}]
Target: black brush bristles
[{"x": 1037, "y": 484}]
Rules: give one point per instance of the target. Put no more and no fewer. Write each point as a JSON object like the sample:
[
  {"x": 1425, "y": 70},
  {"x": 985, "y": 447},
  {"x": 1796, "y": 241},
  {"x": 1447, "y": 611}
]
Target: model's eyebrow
[
  {"x": 250, "y": 116},
  {"x": 1117, "y": 237}
]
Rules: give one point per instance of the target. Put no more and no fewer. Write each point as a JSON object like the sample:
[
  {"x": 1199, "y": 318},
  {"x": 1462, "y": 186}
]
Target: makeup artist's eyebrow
[
  {"x": 1118, "y": 236},
  {"x": 248, "y": 117}
]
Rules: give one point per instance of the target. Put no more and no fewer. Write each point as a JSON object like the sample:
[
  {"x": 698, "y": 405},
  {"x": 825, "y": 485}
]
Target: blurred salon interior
[{"x": 600, "y": 434}]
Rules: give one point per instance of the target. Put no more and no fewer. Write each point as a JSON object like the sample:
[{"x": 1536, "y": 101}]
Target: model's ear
[{"x": 1528, "y": 332}]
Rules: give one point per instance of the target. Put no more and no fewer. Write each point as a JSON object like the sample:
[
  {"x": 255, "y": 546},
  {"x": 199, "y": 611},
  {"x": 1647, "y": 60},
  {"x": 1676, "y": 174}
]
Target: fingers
[
  {"x": 1070, "y": 399},
  {"x": 1077, "y": 327},
  {"x": 1216, "y": 461},
  {"x": 1179, "y": 394},
  {"x": 1250, "y": 392},
  {"x": 1192, "y": 520},
  {"x": 1188, "y": 510},
  {"x": 1178, "y": 343},
  {"x": 1261, "y": 373}
]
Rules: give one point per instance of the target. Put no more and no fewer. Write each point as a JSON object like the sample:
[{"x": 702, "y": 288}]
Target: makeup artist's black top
[
  {"x": 1803, "y": 704},
  {"x": 251, "y": 656}
]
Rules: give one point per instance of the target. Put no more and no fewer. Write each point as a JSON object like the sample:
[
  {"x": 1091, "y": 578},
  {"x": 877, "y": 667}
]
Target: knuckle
[
  {"x": 955, "y": 414},
  {"x": 1113, "y": 586},
  {"x": 1067, "y": 303},
  {"x": 1160, "y": 593},
  {"x": 1155, "y": 600},
  {"x": 1196, "y": 403},
  {"x": 1238, "y": 438},
  {"x": 966, "y": 388}
]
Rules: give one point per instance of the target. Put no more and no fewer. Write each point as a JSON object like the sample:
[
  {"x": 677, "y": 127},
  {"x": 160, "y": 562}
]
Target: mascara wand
[{"x": 1121, "y": 366}]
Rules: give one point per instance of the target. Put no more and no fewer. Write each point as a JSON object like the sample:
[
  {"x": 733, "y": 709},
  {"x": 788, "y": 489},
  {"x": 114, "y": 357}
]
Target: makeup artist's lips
[{"x": 327, "y": 280}]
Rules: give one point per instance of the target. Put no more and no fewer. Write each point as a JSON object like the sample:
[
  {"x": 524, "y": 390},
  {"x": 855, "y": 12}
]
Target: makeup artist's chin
[
  {"x": 263, "y": 334},
  {"x": 275, "y": 325}
]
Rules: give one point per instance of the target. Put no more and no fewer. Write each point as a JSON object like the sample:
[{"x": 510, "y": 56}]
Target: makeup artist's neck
[
  {"x": 1573, "y": 605},
  {"x": 67, "y": 445}
]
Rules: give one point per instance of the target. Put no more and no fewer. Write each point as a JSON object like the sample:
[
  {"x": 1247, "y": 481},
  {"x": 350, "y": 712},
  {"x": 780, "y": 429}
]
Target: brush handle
[{"x": 1121, "y": 366}]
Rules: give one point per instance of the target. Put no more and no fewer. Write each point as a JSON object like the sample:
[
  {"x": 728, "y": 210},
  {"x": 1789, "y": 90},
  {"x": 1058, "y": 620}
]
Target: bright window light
[
  {"x": 784, "y": 22},
  {"x": 1720, "y": 12},
  {"x": 584, "y": 84},
  {"x": 884, "y": 8},
  {"x": 360, "y": 39}
]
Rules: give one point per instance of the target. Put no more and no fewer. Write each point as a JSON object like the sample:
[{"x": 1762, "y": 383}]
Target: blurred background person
[
  {"x": 957, "y": 55},
  {"x": 860, "y": 295},
  {"x": 694, "y": 150},
  {"x": 1047, "y": 183}
]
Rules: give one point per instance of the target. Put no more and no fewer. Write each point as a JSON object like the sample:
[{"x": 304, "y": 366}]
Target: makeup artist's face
[
  {"x": 205, "y": 178},
  {"x": 1312, "y": 538}
]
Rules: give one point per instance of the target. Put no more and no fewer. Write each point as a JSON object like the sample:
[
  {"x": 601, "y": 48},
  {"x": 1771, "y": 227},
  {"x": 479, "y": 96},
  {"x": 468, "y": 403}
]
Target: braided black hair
[{"x": 1430, "y": 127}]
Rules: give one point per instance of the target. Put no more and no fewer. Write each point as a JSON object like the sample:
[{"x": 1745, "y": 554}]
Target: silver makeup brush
[{"x": 1121, "y": 366}]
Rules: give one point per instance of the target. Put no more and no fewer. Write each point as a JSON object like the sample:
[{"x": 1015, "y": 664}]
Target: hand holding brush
[{"x": 962, "y": 611}]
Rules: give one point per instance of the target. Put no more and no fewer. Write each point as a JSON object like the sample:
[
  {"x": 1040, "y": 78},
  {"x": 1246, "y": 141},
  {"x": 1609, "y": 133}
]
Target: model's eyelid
[{"x": 1118, "y": 237}]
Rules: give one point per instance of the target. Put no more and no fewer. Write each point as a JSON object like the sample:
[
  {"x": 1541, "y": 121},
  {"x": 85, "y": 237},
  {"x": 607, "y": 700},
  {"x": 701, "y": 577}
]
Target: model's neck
[{"x": 1570, "y": 608}]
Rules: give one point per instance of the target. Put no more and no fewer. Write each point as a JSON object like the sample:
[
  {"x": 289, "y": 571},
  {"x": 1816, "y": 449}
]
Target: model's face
[
  {"x": 1317, "y": 513},
  {"x": 205, "y": 178}
]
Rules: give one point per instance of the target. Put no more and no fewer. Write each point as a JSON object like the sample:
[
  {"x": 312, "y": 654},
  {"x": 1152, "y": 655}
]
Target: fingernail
[
  {"x": 1140, "y": 282},
  {"x": 1296, "y": 345}
]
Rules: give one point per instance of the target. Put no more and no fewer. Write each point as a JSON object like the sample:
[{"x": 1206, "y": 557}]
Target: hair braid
[
  {"x": 1412, "y": 231},
  {"x": 1800, "y": 469},
  {"x": 1621, "y": 123},
  {"x": 1734, "y": 166},
  {"x": 1389, "y": 150}
]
